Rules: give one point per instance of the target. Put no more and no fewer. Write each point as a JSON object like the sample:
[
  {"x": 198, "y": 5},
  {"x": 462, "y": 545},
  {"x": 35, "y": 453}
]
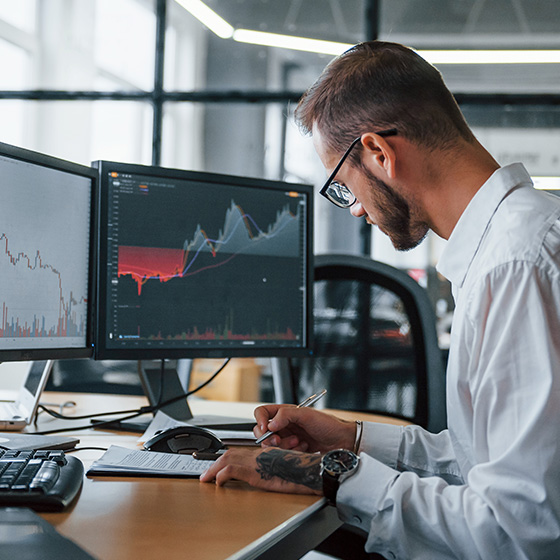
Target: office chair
[{"x": 375, "y": 347}]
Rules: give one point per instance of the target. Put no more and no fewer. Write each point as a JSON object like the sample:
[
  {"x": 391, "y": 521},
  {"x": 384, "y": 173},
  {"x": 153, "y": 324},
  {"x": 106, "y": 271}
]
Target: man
[{"x": 489, "y": 486}]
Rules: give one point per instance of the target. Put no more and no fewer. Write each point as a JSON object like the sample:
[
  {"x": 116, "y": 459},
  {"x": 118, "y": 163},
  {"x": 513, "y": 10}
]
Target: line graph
[
  {"x": 203, "y": 263},
  {"x": 44, "y": 255},
  {"x": 240, "y": 235},
  {"x": 24, "y": 315}
]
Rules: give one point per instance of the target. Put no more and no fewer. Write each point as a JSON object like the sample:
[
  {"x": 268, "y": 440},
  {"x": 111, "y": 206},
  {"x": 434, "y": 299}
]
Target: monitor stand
[{"x": 173, "y": 383}]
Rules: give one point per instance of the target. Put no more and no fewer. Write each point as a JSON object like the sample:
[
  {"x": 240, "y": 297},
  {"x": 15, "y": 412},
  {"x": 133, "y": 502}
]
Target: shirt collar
[{"x": 467, "y": 235}]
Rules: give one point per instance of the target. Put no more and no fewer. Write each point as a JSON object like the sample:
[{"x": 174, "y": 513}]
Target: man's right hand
[{"x": 303, "y": 429}]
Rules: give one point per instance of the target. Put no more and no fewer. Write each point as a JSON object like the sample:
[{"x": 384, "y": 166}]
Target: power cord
[{"x": 134, "y": 413}]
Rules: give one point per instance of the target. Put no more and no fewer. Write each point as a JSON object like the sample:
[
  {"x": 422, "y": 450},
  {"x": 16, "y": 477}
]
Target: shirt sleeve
[
  {"x": 509, "y": 503},
  {"x": 413, "y": 449}
]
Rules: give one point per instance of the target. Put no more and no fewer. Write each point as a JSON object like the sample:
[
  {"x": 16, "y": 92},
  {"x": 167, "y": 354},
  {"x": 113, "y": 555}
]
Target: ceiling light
[
  {"x": 208, "y": 17},
  {"x": 223, "y": 29},
  {"x": 491, "y": 56},
  {"x": 289, "y": 42}
]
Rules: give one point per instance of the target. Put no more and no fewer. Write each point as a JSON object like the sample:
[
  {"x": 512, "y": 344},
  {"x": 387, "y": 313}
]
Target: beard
[{"x": 396, "y": 216}]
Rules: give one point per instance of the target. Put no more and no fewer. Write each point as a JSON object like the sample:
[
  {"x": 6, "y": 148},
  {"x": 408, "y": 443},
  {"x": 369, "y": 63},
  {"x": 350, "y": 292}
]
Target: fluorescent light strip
[
  {"x": 491, "y": 56},
  {"x": 208, "y": 17},
  {"x": 223, "y": 29},
  {"x": 432, "y": 56},
  {"x": 547, "y": 183},
  {"x": 289, "y": 42}
]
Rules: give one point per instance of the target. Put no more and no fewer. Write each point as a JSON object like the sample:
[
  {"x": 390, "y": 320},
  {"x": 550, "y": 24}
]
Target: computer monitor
[
  {"x": 46, "y": 260},
  {"x": 194, "y": 265}
]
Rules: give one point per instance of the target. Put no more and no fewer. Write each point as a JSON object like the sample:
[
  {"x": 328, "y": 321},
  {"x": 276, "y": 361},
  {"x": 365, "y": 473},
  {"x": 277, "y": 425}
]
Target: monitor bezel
[
  {"x": 102, "y": 352},
  {"x": 51, "y": 162}
]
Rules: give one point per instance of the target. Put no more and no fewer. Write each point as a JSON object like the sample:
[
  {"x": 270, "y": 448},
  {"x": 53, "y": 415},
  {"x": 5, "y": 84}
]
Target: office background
[{"x": 144, "y": 81}]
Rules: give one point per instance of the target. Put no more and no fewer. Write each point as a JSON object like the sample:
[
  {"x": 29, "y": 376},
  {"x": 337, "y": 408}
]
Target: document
[{"x": 120, "y": 461}]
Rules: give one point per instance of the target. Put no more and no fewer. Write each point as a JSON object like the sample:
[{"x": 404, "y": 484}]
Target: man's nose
[{"x": 357, "y": 209}]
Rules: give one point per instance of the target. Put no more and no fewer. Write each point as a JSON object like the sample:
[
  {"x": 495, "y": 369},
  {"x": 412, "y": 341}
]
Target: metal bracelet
[{"x": 358, "y": 440}]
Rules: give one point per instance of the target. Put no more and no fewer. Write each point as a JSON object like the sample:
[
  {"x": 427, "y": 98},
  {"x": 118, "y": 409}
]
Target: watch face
[{"x": 340, "y": 461}]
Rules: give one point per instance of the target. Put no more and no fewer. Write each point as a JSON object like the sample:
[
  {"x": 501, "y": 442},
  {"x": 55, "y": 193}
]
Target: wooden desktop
[{"x": 118, "y": 518}]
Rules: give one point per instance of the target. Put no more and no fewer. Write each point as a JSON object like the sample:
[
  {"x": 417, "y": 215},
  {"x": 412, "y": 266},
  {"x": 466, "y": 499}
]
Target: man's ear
[{"x": 380, "y": 153}]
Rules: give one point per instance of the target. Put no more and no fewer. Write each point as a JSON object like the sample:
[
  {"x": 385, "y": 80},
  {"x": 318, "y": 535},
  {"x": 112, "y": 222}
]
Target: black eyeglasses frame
[{"x": 325, "y": 188}]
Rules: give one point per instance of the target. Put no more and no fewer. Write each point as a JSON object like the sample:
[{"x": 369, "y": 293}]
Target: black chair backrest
[{"x": 375, "y": 346}]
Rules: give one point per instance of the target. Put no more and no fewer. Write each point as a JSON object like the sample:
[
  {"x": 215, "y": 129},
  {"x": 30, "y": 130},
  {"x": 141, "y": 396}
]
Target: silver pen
[{"x": 307, "y": 402}]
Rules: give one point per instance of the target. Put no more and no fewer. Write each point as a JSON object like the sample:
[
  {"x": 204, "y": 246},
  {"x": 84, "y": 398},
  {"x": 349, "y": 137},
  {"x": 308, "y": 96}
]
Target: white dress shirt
[{"x": 489, "y": 486}]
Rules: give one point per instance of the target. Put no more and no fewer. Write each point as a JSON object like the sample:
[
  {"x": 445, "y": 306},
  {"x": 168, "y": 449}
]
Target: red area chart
[{"x": 145, "y": 263}]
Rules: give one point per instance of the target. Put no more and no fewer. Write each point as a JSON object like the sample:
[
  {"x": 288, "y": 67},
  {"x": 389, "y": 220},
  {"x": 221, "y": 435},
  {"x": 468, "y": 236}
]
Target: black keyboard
[{"x": 42, "y": 480}]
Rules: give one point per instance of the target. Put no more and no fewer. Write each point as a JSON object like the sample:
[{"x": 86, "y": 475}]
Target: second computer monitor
[
  {"x": 47, "y": 213},
  {"x": 201, "y": 265}
]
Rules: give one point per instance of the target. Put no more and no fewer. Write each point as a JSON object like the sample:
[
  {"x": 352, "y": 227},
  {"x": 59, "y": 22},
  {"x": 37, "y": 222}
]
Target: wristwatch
[{"x": 336, "y": 466}]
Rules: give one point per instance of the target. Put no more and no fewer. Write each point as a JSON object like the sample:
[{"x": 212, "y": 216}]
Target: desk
[{"x": 117, "y": 518}]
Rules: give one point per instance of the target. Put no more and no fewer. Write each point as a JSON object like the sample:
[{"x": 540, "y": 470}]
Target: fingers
[
  {"x": 292, "y": 443},
  {"x": 211, "y": 473},
  {"x": 277, "y": 417},
  {"x": 234, "y": 463},
  {"x": 299, "y": 428},
  {"x": 263, "y": 414},
  {"x": 233, "y": 472}
]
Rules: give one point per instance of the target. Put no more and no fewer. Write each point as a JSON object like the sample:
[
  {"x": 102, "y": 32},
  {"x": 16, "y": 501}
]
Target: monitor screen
[
  {"x": 201, "y": 265},
  {"x": 46, "y": 260}
]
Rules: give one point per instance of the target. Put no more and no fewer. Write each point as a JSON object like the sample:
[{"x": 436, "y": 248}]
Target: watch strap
[{"x": 330, "y": 487}]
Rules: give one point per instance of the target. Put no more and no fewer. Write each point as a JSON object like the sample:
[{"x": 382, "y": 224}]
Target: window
[{"x": 83, "y": 81}]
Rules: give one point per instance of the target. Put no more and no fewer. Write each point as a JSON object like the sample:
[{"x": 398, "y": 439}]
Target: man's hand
[
  {"x": 303, "y": 429},
  {"x": 276, "y": 470}
]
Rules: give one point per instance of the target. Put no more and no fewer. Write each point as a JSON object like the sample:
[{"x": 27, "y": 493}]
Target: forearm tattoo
[{"x": 299, "y": 468}]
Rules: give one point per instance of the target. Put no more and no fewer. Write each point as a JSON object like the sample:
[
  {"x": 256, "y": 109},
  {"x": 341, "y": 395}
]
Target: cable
[
  {"x": 98, "y": 425},
  {"x": 55, "y": 414},
  {"x": 132, "y": 413}
]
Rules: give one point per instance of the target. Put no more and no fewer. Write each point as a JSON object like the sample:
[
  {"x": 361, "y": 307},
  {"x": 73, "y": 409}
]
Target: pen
[{"x": 307, "y": 402}]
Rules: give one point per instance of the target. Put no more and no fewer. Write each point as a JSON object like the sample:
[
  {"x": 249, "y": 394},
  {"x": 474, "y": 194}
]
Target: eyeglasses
[{"x": 338, "y": 193}]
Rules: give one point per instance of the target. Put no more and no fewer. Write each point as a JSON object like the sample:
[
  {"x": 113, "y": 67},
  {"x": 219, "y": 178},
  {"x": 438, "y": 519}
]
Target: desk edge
[{"x": 279, "y": 533}]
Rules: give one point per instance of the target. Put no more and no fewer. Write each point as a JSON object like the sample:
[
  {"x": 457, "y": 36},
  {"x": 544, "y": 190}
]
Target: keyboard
[
  {"x": 42, "y": 480},
  {"x": 9, "y": 410}
]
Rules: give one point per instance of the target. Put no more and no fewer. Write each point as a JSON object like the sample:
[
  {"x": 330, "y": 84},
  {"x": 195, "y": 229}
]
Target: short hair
[{"x": 378, "y": 85}]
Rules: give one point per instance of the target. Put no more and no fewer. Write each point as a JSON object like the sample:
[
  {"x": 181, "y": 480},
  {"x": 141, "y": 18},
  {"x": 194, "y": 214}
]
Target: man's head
[
  {"x": 378, "y": 97},
  {"x": 379, "y": 85}
]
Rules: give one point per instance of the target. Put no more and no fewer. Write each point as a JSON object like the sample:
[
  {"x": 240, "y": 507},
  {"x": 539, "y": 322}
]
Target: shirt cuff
[
  {"x": 358, "y": 498},
  {"x": 382, "y": 442}
]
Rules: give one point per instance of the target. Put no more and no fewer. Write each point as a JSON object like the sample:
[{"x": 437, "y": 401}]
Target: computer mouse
[{"x": 184, "y": 439}]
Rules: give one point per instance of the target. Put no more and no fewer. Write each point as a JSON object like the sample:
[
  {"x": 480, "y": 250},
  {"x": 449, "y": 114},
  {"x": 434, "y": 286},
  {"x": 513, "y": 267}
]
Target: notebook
[{"x": 19, "y": 413}]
